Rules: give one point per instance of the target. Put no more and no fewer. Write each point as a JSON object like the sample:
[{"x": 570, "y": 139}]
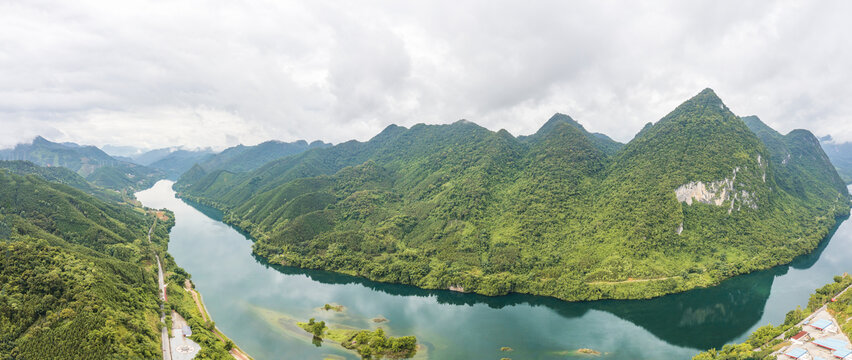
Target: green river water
[{"x": 256, "y": 303}]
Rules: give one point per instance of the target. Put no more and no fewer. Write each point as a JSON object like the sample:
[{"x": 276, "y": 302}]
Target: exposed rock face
[{"x": 717, "y": 192}]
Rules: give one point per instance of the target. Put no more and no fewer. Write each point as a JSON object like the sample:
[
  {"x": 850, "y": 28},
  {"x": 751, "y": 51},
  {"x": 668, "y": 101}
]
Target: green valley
[{"x": 698, "y": 197}]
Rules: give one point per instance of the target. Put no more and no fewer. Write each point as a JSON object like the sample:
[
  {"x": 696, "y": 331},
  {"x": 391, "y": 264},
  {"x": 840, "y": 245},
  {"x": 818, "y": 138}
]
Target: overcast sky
[{"x": 218, "y": 73}]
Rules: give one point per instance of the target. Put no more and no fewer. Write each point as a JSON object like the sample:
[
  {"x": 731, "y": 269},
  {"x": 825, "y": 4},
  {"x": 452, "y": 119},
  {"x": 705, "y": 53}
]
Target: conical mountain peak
[{"x": 707, "y": 97}]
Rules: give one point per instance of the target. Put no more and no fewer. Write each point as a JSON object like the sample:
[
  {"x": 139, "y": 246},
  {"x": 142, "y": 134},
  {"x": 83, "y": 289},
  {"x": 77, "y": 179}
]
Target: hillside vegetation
[
  {"x": 60, "y": 175},
  {"x": 693, "y": 199},
  {"x": 76, "y": 280}
]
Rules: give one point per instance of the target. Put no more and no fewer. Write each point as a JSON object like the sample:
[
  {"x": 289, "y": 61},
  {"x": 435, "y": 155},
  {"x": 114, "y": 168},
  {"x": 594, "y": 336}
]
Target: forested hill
[
  {"x": 693, "y": 199},
  {"x": 804, "y": 168},
  {"x": 88, "y": 161},
  {"x": 76, "y": 280},
  {"x": 60, "y": 175}
]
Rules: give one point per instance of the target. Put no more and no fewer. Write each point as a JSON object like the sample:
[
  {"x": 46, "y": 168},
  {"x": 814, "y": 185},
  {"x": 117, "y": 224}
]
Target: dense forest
[
  {"x": 76, "y": 280},
  {"x": 693, "y": 199},
  {"x": 60, "y": 175}
]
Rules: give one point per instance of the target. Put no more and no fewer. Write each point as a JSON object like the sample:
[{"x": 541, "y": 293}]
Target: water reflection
[{"x": 698, "y": 319}]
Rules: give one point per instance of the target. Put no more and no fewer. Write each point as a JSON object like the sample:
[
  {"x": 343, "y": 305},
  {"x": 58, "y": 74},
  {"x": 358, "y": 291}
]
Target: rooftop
[
  {"x": 821, "y": 324},
  {"x": 796, "y": 353},
  {"x": 832, "y": 344},
  {"x": 842, "y": 353},
  {"x": 800, "y": 335}
]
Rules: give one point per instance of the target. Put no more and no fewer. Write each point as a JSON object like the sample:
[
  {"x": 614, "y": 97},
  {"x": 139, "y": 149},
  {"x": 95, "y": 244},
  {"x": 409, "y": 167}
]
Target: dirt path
[
  {"x": 238, "y": 354},
  {"x": 630, "y": 280},
  {"x": 188, "y": 287}
]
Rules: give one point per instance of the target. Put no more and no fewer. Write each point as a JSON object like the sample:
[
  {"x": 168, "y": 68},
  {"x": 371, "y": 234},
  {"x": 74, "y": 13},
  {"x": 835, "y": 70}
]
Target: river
[{"x": 255, "y": 303}]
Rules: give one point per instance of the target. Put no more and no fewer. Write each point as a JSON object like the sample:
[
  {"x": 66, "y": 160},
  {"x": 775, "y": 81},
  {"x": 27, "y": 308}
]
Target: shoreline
[{"x": 610, "y": 287}]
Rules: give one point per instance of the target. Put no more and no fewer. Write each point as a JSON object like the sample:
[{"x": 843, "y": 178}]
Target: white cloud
[{"x": 199, "y": 73}]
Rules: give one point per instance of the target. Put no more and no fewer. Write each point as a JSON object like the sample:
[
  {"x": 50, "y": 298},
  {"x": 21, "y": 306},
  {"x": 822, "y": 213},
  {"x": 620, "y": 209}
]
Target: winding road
[{"x": 166, "y": 346}]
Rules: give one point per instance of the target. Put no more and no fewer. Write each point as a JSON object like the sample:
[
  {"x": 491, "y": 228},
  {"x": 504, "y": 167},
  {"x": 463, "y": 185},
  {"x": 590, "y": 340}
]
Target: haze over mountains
[
  {"x": 840, "y": 155},
  {"x": 88, "y": 161},
  {"x": 694, "y": 198}
]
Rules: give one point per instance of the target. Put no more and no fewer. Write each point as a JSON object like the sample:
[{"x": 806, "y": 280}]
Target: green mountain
[
  {"x": 242, "y": 158},
  {"x": 693, "y": 199},
  {"x": 804, "y": 169},
  {"x": 601, "y": 141},
  {"x": 840, "y": 155},
  {"x": 88, "y": 161},
  {"x": 76, "y": 280}
]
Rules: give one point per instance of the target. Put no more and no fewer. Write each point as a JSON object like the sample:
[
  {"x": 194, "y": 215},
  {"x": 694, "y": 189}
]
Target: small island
[
  {"x": 585, "y": 351},
  {"x": 333, "y": 307},
  {"x": 368, "y": 344}
]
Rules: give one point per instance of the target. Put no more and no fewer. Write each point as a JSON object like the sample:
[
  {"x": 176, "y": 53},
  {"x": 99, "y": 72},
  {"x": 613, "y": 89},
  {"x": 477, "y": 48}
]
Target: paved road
[{"x": 166, "y": 346}]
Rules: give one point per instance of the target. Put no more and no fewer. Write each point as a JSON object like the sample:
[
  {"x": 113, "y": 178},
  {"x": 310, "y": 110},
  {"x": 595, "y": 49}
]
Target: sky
[{"x": 218, "y": 73}]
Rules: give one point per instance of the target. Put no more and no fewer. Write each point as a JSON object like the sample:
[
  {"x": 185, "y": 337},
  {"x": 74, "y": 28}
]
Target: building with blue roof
[
  {"x": 842, "y": 353},
  {"x": 832, "y": 344},
  {"x": 796, "y": 353},
  {"x": 821, "y": 324}
]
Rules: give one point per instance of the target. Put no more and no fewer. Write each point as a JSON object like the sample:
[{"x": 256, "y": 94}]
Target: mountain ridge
[{"x": 690, "y": 201}]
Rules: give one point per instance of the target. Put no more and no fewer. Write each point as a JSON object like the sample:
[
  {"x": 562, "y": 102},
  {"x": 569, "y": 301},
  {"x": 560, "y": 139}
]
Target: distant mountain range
[
  {"x": 176, "y": 161},
  {"x": 840, "y": 155},
  {"x": 88, "y": 161},
  {"x": 695, "y": 198},
  {"x": 242, "y": 158}
]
